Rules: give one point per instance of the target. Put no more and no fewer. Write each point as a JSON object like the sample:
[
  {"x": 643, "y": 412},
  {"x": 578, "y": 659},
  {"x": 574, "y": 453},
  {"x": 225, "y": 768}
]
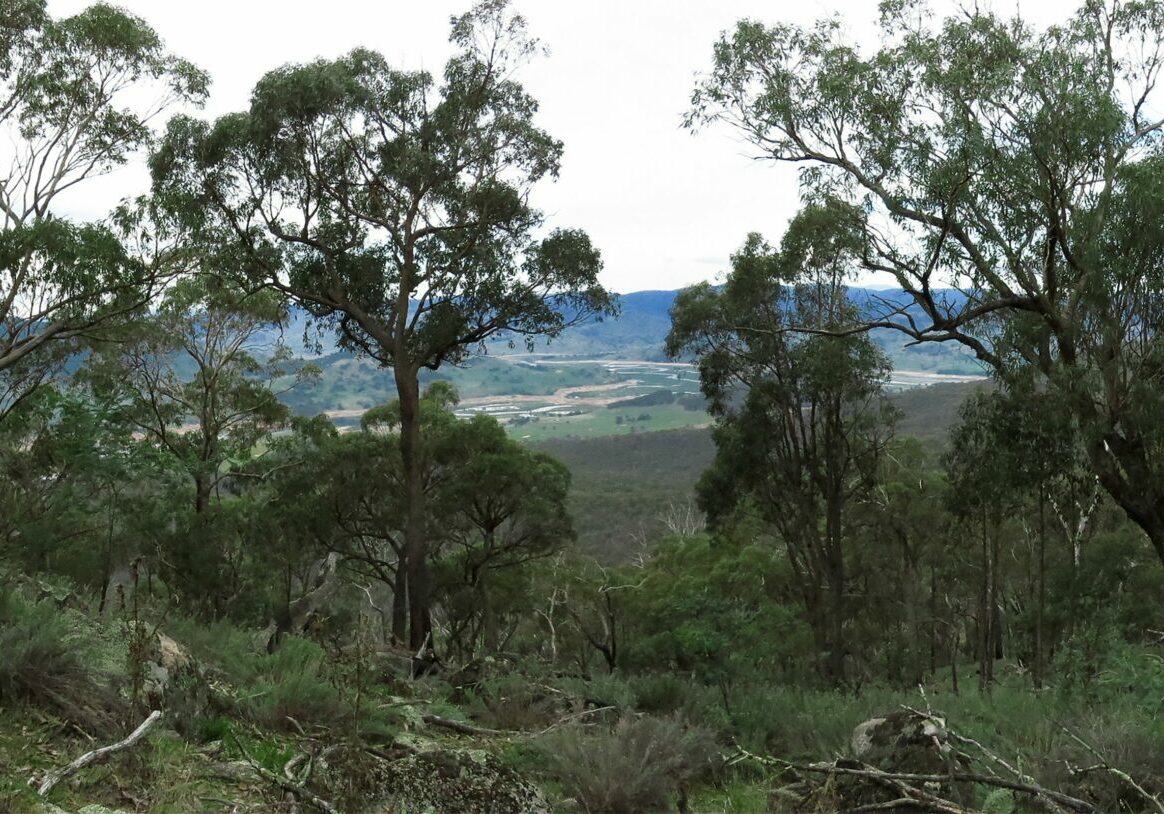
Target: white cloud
[{"x": 658, "y": 200}]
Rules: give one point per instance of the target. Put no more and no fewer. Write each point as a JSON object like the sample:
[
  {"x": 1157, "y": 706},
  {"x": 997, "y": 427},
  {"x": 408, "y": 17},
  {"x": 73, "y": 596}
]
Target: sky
[{"x": 666, "y": 206}]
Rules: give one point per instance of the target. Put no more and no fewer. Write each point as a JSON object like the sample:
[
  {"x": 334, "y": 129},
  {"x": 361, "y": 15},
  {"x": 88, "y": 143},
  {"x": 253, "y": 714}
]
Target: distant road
[
  {"x": 601, "y": 395},
  {"x": 917, "y": 378}
]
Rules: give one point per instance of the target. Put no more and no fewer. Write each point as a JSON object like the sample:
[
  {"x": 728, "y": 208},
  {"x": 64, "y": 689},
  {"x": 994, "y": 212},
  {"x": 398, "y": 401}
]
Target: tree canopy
[
  {"x": 1019, "y": 165},
  {"x": 72, "y": 109}
]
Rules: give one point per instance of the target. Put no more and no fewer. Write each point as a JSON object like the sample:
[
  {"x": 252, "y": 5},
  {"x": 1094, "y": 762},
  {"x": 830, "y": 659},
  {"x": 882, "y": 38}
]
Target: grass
[
  {"x": 602, "y": 423},
  {"x": 669, "y": 738}
]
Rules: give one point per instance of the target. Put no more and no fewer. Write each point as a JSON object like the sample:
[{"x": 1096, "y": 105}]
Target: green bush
[
  {"x": 638, "y": 765},
  {"x": 661, "y": 693},
  {"x": 231, "y": 649},
  {"x": 43, "y": 650},
  {"x": 291, "y": 684}
]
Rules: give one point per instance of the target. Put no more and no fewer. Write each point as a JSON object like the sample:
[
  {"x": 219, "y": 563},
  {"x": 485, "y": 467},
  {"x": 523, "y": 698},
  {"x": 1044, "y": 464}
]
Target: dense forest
[{"x": 836, "y": 597}]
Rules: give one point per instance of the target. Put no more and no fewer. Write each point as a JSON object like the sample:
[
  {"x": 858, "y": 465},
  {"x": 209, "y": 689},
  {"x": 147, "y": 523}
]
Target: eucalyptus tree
[
  {"x": 1021, "y": 165},
  {"x": 77, "y": 98},
  {"x": 345, "y": 493},
  {"x": 492, "y": 507},
  {"x": 201, "y": 378},
  {"x": 395, "y": 208},
  {"x": 504, "y": 506},
  {"x": 67, "y": 468},
  {"x": 1016, "y": 454},
  {"x": 198, "y": 381},
  {"x": 801, "y": 421}
]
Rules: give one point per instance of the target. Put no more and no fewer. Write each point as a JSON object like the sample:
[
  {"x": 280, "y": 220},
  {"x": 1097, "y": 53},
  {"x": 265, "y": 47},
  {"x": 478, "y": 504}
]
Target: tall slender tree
[
  {"x": 199, "y": 382},
  {"x": 396, "y": 210},
  {"x": 800, "y": 421}
]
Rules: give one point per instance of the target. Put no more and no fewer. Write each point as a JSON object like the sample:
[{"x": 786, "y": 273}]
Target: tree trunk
[
  {"x": 1124, "y": 470},
  {"x": 985, "y": 616},
  {"x": 202, "y": 488},
  {"x": 835, "y": 563},
  {"x": 1040, "y": 613},
  {"x": 933, "y": 620},
  {"x": 491, "y": 637},
  {"x": 415, "y": 536},
  {"x": 955, "y": 640},
  {"x": 996, "y": 651},
  {"x": 400, "y": 603}
]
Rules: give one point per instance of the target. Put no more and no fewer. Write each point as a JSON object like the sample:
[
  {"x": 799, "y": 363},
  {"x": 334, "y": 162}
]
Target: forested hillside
[{"x": 299, "y": 512}]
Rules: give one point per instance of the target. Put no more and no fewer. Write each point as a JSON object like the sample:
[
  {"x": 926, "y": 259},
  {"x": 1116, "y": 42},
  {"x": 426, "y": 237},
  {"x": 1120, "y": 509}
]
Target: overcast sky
[{"x": 665, "y": 206}]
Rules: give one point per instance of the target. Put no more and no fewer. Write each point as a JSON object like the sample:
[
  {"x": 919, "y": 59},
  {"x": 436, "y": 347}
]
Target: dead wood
[{"x": 52, "y": 778}]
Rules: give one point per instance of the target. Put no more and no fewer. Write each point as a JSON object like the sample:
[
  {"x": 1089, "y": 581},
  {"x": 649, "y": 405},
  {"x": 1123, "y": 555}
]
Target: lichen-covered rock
[
  {"x": 904, "y": 741},
  {"x": 447, "y": 781},
  {"x": 175, "y": 681}
]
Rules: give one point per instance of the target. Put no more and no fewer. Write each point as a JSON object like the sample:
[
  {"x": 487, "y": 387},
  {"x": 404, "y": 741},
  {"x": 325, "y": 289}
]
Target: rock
[
  {"x": 178, "y": 683},
  {"x": 904, "y": 741},
  {"x": 448, "y": 781}
]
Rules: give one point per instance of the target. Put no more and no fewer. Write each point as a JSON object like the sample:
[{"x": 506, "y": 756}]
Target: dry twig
[
  {"x": 1112, "y": 770},
  {"x": 54, "y": 777},
  {"x": 298, "y": 790},
  {"x": 458, "y": 726},
  {"x": 900, "y": 781}
]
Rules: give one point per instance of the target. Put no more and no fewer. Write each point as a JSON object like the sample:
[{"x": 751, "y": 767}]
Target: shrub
[
  {"x": 44, "y": 653},
  {"x": 513, "y": 703},
  {"x": 661, "y": 693},
  {"x": 232, "y": 650},
  {"x": 51, "y": 657},
  {"x": 635, "y": 766},
  {"x": 291, "y": 684}
]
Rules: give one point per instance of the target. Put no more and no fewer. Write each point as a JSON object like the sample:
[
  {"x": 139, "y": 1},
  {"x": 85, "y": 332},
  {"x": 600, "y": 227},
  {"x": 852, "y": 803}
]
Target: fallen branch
[
  {"x": 910, "y": 798},
  {"x": 1065, "y": 800},
  {"x": 1105, "y": 766},
  {"x": 52, "y": 778},
  {"x": 573, "y": 717},
  {"x": 1043, "y": 797},
  {"x": 299, "y": 791},
  {"x": 897, "y": 779},
  {"x": 460, "y": 727}
]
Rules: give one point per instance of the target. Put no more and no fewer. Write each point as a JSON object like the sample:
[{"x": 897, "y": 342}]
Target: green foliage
[
  {"x": 271, "y": 755},
  {"x": 213, "y": 729},
  {"x": 78, "y": 96},
  {"x": 999, "y": 801},
  {"x": 1017, "y": 160},
  {"x": 715, "y": 610},
  {"x": 801, "y": 415},
  {"x": 293, "y": 683},
  {"x": 296, "y": 681},
  {"x": 637, "y": 765},
  {"x": 46, "y": 651}
]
